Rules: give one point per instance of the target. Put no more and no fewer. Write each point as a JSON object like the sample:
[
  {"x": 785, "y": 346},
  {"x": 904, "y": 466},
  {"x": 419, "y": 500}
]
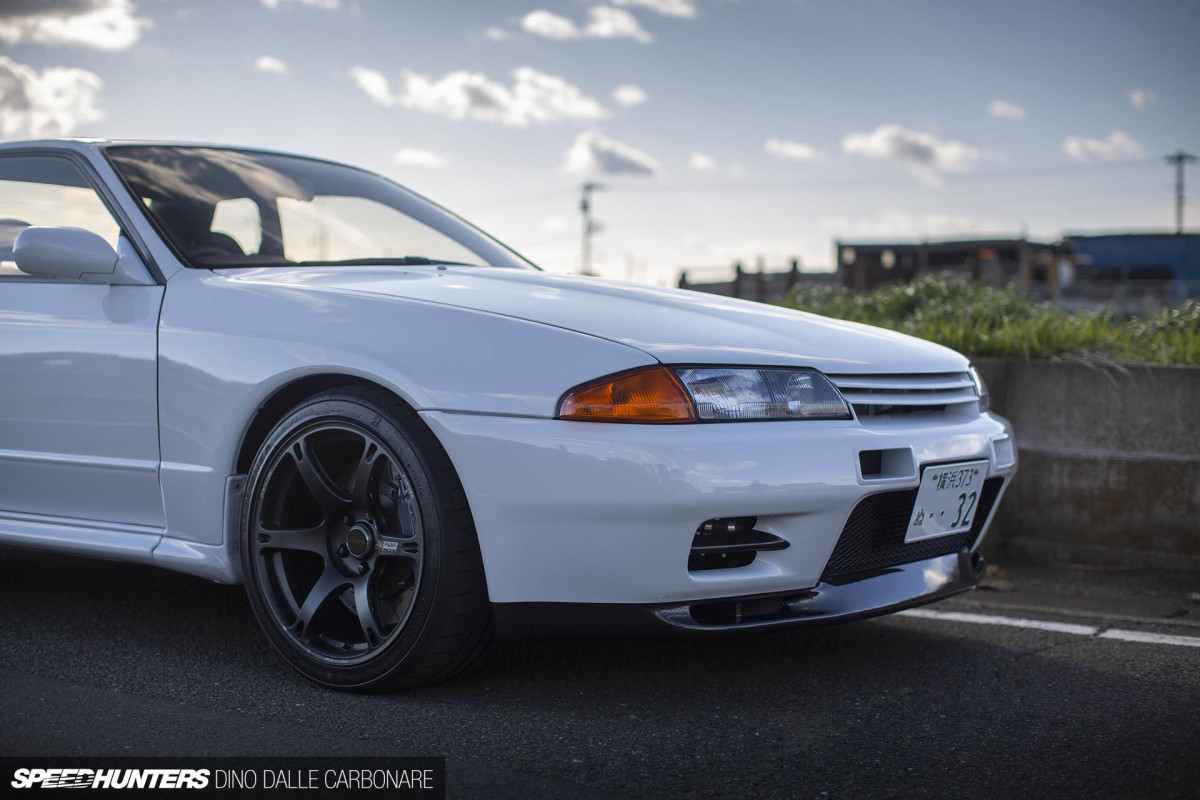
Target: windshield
[{"x": 233, "y": 208}]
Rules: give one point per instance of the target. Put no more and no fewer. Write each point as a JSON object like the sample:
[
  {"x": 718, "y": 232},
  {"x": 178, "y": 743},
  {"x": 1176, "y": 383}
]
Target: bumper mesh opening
[{"x": 873, "y": 537}]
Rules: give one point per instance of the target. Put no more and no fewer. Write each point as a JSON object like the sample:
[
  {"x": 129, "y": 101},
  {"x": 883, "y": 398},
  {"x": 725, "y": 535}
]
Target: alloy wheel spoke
[
  {"x": 372, "y": 630},
  {"x": 362, "y": 475},
  {"x": 324, "y": 490},
  {"x": 311, "y": 539},
  {"x": 329, "y": 582}
]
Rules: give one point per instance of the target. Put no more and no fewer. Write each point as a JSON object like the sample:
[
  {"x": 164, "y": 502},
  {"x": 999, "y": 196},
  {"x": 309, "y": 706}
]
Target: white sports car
[{"x": 402, "y": 437}]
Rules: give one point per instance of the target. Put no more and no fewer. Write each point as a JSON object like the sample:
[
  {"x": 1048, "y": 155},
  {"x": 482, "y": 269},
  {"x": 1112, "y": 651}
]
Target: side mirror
[{"x": 77, "y": 254}]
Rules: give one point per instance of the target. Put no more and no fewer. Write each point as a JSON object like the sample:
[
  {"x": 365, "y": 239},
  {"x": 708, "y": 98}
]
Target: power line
[
  {"x": 838, "y": 184},
  {"x": 900, "y": 182},
  {"x": 516, "y": 200}
]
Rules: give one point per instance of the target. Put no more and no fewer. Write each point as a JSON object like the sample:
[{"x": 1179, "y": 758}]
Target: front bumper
[{"x": 576, "y": 512}]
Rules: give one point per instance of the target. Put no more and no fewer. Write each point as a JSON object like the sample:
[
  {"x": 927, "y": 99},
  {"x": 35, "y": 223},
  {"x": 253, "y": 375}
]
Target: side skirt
[{"x": 137, "y": 544}]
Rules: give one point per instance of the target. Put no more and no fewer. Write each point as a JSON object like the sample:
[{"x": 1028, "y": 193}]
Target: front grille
[
  {"x": 931, "y": 393},
  {"x": 873, "y": 537}
]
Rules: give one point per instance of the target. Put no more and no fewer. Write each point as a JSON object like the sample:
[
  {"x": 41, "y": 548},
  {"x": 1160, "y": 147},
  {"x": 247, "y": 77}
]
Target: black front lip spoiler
[{"x": 842, "y": 599}]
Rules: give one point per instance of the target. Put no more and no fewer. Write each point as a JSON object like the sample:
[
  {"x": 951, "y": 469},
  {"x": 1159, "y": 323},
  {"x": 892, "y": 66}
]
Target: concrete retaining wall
[{"x": 1109, "y": 463}]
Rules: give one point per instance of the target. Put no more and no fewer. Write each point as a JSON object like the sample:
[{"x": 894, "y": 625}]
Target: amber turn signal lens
[{"x": 647, "y": 395}]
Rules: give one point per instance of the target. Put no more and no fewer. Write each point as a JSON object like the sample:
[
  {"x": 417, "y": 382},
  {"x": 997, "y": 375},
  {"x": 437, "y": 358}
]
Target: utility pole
[
  {"x": 1179, "y": 158},
  {"x": 590, "y": 226}
]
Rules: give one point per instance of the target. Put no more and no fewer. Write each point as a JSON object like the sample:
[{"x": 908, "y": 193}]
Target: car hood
[{"x": 675, "y": 326}]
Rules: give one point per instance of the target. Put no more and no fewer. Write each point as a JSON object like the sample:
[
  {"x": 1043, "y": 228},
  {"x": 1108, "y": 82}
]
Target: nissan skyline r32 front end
[
  {"x": 396, "y": 432},
  {"x": 735, "y": 521}
]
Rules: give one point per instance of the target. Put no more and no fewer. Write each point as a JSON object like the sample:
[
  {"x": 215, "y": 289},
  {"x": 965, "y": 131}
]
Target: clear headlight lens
[
  {"x": 985, "y": 401},
  {"x": 762, "y": 394}
]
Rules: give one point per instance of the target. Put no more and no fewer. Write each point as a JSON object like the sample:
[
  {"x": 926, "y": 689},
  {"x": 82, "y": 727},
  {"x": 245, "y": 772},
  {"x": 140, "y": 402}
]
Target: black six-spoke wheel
[
  {"x": 359, "y": 552},
  {"x": 337, "y": 538}
]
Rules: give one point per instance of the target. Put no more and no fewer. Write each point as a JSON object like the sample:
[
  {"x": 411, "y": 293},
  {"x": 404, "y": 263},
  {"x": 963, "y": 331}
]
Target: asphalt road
[{"x": 111, "y": 659}]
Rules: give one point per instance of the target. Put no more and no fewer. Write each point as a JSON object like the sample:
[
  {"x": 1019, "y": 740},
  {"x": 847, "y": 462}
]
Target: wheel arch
[{"x": 286, "y": 397}]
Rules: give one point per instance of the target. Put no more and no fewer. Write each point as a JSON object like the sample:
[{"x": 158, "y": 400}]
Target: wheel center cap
[{"x": 360, "y": 541}]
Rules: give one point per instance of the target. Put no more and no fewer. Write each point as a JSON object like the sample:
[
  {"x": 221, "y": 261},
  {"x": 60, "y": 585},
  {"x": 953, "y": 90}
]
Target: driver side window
[{"x": 47, "y": 191}]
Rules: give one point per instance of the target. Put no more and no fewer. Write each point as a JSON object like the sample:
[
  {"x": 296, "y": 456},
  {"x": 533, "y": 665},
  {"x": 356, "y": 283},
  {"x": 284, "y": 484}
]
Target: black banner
[{"x": 401, "y": 778}]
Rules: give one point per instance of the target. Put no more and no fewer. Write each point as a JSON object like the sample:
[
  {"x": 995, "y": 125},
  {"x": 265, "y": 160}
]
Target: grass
[{"x": 1006, "y": 323}]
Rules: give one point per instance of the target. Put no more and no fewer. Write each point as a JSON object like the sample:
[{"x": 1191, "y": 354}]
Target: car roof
[{"x": 95, "y": 145}]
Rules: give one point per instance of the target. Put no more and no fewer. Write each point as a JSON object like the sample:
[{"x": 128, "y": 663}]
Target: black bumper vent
[
  {"x": 729, "y": 542},
  {"x": 873, "y": 537}
]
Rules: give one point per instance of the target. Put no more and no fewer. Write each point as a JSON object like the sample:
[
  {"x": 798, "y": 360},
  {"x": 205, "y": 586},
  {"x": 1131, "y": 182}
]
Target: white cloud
[
  {"x": 1138, "y": 98},
  {"x": 791, "y": 151},
  {"x": 1002, "y": 109},
  {"x": 533, "y": 98},
  {"x": 607, "y": 22},
  {"x": 702, "y": 162},
  {"x": 327, "y": 5},
  {"x": 604, "y": 22},
  {"x": 549, "y": 25},
  {"x": 595, "y": 154},
  {"x": 374, "y": 85},
  {"x": 671, "y": 8},
  {"x": 271, "y": 64},
  {"x": 922, "y": 153},
  {"x": 1118, "y": 145},
  {"x": 629, "y": 96},
  {"x": 496, "y": 34},
  {"x": 50, "y": 103},
  {"x": 412, "y": 157},
  {"x": 554, "y": 224},
  {"x": 97, "y": 24},
  {"x": 898, "y": 223}
]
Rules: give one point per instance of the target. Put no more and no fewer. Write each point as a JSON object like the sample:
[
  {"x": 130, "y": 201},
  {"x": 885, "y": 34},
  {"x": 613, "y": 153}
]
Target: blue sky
[{"x": 743, "y": 129}]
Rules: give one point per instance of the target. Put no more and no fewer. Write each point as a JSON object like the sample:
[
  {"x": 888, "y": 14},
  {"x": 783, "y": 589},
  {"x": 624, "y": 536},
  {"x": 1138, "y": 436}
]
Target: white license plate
[{"x": 947, "y": 500}]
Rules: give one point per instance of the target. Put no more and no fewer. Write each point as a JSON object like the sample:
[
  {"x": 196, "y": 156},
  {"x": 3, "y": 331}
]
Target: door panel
[
  {"x": 78, "y": 372},
  {"x": 78, "y": 401}
]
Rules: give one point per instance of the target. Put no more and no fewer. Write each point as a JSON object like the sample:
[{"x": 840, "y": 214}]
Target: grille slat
[
  {"x": 885, "y": 395},
  {"x": 858, "y": 397},
  {"x": 906, "y": 383},
  {"x": 873, "y": 537}
]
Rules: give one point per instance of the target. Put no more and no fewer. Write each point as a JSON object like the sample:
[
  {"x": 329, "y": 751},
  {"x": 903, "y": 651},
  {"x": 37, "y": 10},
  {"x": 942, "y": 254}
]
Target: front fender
[{"x": 226, "y": 345}]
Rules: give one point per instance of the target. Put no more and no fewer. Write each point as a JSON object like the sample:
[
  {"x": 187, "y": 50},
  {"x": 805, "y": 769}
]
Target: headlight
[
  {"x": 689, "y": 394},
  {"x": 985, "y": 402},
  {"x": 722, "y": 393}
]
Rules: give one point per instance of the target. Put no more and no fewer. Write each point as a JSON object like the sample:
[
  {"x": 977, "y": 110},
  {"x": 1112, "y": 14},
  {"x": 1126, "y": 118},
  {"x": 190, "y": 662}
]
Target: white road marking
[
  {"x": 1056, "y": 627},
  {"x": 1151, "y": 638},
  {"x": 1012, "y": 622}
]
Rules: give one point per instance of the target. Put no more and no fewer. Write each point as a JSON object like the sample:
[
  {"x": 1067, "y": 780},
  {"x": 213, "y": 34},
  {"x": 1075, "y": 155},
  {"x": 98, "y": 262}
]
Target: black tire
[{"x": 358, "y": 548}]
